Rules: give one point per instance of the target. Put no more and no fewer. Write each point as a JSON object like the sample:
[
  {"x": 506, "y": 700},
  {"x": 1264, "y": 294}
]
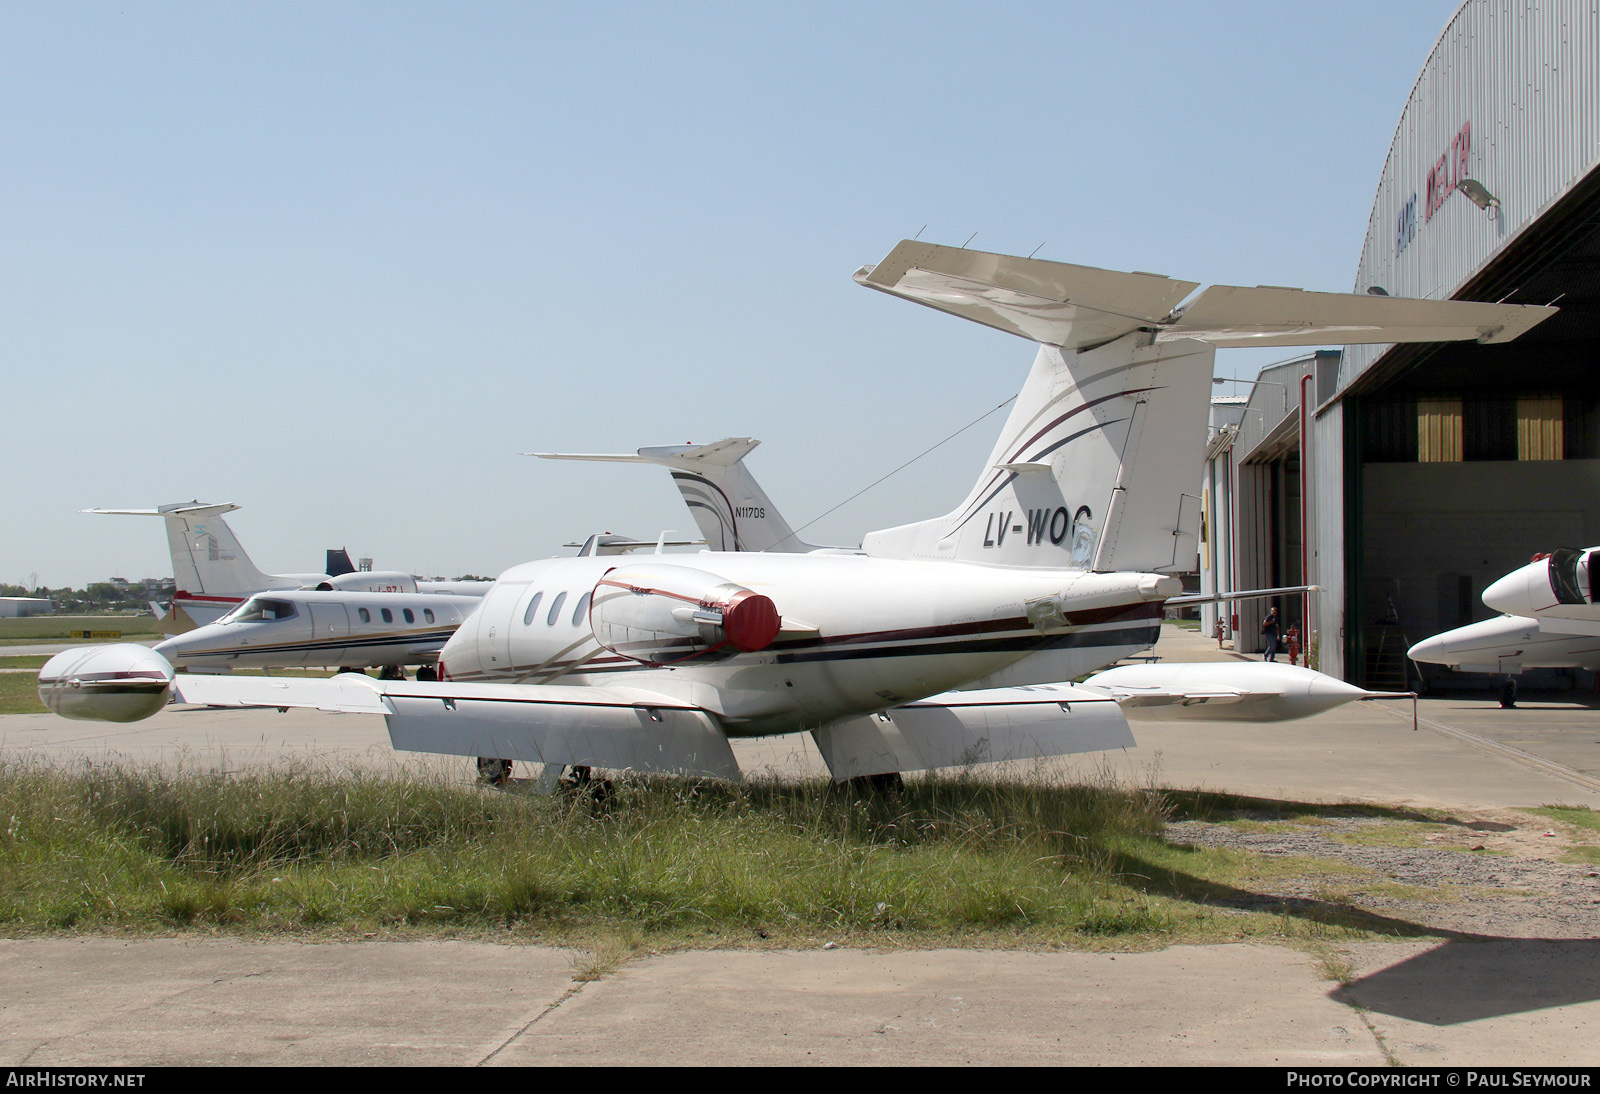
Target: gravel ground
[{"x": 1490, "y": 875}]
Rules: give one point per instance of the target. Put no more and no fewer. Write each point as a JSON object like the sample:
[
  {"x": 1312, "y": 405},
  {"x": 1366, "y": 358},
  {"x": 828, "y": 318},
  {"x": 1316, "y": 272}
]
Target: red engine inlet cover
[{"x": 751, "y": 622}]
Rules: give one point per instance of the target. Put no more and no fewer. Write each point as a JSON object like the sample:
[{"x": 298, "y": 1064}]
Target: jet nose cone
[
  {"x": 180, "y": 649},
  {"x": 1524, "y": 591}
]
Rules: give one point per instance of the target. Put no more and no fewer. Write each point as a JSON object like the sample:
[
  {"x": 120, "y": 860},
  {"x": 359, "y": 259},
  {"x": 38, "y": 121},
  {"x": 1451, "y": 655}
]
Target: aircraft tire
[{"x": 888, "y": 783}]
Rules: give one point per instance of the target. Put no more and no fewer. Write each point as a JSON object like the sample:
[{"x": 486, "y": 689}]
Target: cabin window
[
  {"x": 388, "y": 616},
  {"x": 533, "y": 606},
  {"x": 555, "y": 609},
  {"x": 427, "y": 615},
  {"x": 410, "y": 616},
  {"x": 366, "y": 616},
  {"x": 581, "y": 610}
]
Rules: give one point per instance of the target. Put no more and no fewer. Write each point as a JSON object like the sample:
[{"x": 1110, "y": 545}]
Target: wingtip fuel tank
[{"x": 122, "y": 682}]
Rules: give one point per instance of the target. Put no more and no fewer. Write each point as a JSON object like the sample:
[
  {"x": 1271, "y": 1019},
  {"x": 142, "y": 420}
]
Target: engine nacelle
[
  {"x": 122, "y": 682},
  {"x": 659, "y": 614},
  {"x": 370, "y": 581}
]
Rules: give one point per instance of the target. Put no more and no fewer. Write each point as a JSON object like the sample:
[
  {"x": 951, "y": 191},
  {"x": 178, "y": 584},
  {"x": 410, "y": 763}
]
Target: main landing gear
[
  {"x": 579, "y": 779},
  {"x": 1508, "y": 694},
  {"x": 493, "y": 772},
  {"x": 574, "y": 780}
]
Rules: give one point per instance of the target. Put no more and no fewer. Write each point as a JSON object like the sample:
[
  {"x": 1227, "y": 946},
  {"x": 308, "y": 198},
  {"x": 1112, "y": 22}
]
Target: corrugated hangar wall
[{"x": 1437, "y": 469}]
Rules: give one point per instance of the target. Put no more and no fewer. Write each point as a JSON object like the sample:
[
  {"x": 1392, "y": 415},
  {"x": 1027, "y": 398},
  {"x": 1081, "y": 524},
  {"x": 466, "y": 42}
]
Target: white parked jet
[
  {"x": 293, "y": 627},
  {"x": 1552, "y": 620},
  {"x": 214, "y": 575},
  {"x": 1056, "y": 564}
]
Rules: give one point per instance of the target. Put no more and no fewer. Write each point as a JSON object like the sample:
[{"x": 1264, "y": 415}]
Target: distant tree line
[{"x": 98, "y": 596}]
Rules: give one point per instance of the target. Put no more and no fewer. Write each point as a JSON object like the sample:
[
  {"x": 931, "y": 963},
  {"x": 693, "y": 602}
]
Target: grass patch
[
  {"x": 32, "y": 661},
  {"x": 1579, "y": 816},
  {"x": 1584, "y": 854},
  {"x": 19, "y": 694},
  {"x": 59, "y": 628},
  {"x": 657, "y": 862},
  {"x": 1397, "y": 834}
]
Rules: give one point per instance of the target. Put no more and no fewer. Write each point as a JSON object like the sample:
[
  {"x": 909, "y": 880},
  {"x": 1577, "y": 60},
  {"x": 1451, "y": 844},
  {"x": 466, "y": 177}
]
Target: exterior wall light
[{"x": 1479, "y": 195}]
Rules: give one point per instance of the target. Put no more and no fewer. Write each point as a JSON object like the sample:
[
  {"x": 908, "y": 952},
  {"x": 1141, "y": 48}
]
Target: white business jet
[
  {"x": 1551, "y": 620},
  {"x": 934, "y": 647},
  {"x": 214, "y": 575},
  {"x": 300, "y": 627}
]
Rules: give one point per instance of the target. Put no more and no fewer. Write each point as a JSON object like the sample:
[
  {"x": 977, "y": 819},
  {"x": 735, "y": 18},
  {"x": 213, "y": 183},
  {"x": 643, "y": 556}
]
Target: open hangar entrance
[
  {"x": 1463, "y": 460},
  {"x": 1273, "y": 525}
]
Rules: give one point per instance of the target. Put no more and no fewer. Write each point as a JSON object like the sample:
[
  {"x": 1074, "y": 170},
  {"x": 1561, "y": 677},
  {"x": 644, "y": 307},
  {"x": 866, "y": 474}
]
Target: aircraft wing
[
  {"x": 347, "y": 693},
  {"x": 619, "y": 728},
  {"x": 961, "y": 728},
  {"x": 1555, "y": 624},
  {"x": 1140, "y": 698},
  {"x": 1076, "y": 307}
]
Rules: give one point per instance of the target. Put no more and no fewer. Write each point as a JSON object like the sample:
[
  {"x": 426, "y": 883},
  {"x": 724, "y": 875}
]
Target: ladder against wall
[{"x": 1387, "y": 668}]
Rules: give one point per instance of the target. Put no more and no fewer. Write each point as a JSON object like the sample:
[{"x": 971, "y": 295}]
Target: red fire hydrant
[
  {"x": 1292, "y": 640},
  {"x": 1221, "y": 633}
]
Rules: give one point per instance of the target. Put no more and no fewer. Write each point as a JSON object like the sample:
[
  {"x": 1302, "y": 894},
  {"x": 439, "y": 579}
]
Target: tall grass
[{"x": 108, "y": 846}]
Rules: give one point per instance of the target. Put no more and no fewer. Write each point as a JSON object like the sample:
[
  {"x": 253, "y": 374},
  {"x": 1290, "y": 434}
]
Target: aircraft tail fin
[
  {"x": 207, "y": 559},
  {"x": 729, "y": 506},
  {"x": 1096, "y": 467},
  {"x": 1098, "y": 464},
  {"x": 339, "y": 562}
]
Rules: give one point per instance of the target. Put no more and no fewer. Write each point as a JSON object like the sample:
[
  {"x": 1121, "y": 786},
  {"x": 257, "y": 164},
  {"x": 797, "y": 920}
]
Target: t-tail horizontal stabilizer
[{"x": 1077, "y": 307}]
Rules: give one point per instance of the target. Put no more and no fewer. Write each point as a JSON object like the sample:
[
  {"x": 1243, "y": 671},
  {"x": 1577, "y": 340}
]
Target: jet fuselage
[
  {"x": 286, "y": 628},
  {"x": 860, "y": 634}
]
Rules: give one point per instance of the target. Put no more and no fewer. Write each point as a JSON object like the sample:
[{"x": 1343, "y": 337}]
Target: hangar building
[{"x": 1431, "y": 470}]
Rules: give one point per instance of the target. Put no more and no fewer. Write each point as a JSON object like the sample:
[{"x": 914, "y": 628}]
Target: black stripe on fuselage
[{"x": 317, "y": 645}]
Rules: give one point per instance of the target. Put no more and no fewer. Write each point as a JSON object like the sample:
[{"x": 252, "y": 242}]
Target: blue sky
[{"x": 339, "y": 264}]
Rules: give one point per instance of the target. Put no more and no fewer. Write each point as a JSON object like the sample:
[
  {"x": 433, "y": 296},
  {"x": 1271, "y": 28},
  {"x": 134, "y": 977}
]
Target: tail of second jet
[
  {"x": 729, "y": 506},
  {"x": 211, "y": 569}
]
